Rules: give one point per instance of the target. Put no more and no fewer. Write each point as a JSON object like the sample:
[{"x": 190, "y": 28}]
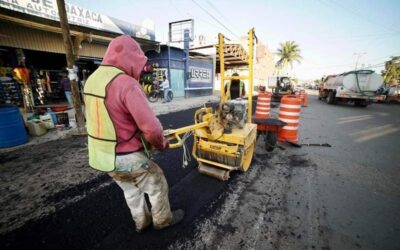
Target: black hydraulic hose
[
  {"x": 358, "y": 85},
  {"x": 359, "y": 88}
]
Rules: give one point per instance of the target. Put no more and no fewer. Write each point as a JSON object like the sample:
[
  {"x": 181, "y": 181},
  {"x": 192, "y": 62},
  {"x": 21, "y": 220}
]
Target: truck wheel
[
  {"x": 359, "y": 103},
  {"x": 331, "y": 98}
]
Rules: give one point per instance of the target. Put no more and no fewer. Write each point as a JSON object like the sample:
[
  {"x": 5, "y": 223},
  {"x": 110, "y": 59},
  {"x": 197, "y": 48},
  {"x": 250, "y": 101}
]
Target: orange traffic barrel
[
  {"x": 263, "y": 108},
  {"x": 303, "y": 97},
  {"x": 289, "y": 112}
]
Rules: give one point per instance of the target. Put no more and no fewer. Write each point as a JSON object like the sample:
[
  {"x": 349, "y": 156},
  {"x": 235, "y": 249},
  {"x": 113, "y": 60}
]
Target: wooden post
[{"x": 69, "y": 53}]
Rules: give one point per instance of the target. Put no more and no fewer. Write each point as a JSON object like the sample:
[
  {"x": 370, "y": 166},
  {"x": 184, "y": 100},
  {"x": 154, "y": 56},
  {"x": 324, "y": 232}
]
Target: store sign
[
  {"x": 200, "y": 74},
  {"x": 200, "y": 78},
  {"x": 78, "y": 16}
]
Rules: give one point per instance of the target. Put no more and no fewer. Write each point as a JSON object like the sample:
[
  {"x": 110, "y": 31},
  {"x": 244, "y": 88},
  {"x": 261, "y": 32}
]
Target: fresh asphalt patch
[
  {"x": 91, "y": 212},
  {"x": 54, "y": 200}
]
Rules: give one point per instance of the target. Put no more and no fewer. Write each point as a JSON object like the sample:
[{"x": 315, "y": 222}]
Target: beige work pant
[{"x": 152, "y": 182}]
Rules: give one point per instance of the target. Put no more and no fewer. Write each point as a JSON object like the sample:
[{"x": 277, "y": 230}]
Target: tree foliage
[
  {"x": 391, "y": 73},
  {"x": 288, "y": 52}
]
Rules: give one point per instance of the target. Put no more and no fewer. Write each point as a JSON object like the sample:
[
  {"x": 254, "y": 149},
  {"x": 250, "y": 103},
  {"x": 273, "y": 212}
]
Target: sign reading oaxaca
[
  {"x": 77, "y": 16},
  {"x": 200, "y": 77}
]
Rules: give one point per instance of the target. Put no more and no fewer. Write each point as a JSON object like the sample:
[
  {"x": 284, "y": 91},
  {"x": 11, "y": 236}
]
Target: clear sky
[{"x": 329, "y": 32}]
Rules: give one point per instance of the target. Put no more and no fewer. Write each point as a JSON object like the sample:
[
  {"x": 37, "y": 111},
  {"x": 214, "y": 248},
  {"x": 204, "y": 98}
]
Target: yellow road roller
[{"x": 224, "y": 138}]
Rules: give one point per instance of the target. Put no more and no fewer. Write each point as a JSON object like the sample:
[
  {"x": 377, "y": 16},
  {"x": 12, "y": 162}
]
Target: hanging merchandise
[
  {"x": 148, "y": 78},
  {"x": 3, "y": 71},
  {"x": 10, "y": 93},
  {"x": 28, "y": 98},
  {"x": 38, "y": 89},
  {"x": 47, "y": 81},
  {"x": 53, "y": 83},
  {"x": 22, "y": 75}
]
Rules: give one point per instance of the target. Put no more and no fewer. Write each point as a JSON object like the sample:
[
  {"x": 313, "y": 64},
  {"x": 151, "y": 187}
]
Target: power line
[
  {"x": 379, "y": 65},
  {"x": 220, "y": 13},
  {"x": 360, "y": 15},
  {"x": 376, "y": 65},
  {"x": 216, "y": 19},
  {"x": 354, "y": 37}
]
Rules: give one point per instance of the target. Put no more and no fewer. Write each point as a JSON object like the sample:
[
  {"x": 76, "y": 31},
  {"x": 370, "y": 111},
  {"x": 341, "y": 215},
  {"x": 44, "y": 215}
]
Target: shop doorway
[{"x": 178, "y": 82}]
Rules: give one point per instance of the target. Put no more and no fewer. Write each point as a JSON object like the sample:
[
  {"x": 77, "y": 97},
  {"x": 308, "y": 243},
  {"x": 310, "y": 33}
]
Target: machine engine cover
[{"x": 234, "y": 113}]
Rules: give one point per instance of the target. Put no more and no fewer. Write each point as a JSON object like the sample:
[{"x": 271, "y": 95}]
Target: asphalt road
[
  {"x": 356, "y": 184},
  {"x": 343, "y": 197}
]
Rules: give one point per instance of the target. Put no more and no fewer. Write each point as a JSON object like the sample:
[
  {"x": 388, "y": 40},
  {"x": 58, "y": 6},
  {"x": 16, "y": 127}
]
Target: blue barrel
[{"x": 12, "y": 129}]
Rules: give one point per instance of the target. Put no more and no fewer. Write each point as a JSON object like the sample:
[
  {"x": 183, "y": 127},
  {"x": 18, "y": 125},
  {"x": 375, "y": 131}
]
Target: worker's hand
[{"x": 166, "y": 145}]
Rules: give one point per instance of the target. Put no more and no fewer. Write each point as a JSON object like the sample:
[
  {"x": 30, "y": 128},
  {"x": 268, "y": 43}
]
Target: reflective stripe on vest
[{"x": 102, "y": 137}]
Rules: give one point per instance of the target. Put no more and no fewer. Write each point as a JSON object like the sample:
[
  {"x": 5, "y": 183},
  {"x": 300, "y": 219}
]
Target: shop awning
[{"x": 19, "y": 30}]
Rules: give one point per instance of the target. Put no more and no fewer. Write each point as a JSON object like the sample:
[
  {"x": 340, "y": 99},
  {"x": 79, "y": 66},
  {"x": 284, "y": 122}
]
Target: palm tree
[{"x": 289, "y": 52}]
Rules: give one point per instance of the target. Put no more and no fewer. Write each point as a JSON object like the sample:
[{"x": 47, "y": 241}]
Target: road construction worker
[
  {"x": 120, "y": 124},
  {"x": 235, "y": 88}
]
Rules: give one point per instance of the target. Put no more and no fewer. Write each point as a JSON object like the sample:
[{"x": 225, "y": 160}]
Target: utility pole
[
  {"x": 358, "y": 57},
  {"x": 69, "y": 53}
]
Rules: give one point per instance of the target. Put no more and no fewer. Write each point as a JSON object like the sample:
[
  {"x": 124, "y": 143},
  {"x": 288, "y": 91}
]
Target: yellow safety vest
[
  {"x": 228, "y": 90},
  {"x": 102, "y": 136}
]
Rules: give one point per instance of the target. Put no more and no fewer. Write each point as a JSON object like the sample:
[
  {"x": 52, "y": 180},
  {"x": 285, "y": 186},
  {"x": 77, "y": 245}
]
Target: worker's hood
[{"x": 125, "y": 53}]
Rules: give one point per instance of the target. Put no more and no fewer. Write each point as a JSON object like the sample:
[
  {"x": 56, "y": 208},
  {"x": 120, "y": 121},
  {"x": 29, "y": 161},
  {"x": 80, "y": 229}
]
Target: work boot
[
  {"x": 177, "y": 216},
  {"x": 148, "y": 223}
]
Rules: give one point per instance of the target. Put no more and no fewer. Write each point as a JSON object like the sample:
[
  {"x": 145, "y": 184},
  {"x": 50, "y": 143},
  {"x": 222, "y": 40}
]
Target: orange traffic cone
[
  {"x": 304, "y": 98},
  {"x": 305, "y": 101},
  {"x": 289, "y": 112},
  {"x": 263, "y": 108}
]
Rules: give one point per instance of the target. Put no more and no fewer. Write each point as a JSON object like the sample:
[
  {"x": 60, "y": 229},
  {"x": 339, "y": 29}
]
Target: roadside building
[
  {"x": 200, "y": 72},
  {"x": 30, "y": 38}
]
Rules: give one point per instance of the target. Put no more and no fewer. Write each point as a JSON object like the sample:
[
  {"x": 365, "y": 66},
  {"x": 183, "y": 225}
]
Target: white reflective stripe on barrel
[
  {"x": 290, "y": 106},
  {"x": 290, "y": 128},
  {"x": 262, "y": 108},
  {"x": 264, "y": 99},
  {"x": 289, "y": 113},
  {"x": 289, "y": 120},
  {"x": 262, "y": 113}
]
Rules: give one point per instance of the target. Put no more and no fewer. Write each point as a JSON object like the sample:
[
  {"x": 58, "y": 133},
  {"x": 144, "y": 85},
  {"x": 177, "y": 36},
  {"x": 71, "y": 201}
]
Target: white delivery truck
[{"x": 358, "y": 87}]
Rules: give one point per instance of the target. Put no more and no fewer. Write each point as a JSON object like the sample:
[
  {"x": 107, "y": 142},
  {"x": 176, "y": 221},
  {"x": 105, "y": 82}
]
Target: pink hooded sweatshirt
[{"x": 126, "y": 101}]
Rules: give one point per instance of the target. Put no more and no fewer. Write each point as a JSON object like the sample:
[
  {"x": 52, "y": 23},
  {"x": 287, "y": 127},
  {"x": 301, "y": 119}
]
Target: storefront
[
  {"x": 201, "y": 76},
  {"x": 200, "y": 72},
  {"x": 32, "y": 55}
]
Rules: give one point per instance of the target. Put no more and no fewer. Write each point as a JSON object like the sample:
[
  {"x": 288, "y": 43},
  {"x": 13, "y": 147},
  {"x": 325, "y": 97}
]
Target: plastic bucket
[{"x": 12, "y": 128}]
